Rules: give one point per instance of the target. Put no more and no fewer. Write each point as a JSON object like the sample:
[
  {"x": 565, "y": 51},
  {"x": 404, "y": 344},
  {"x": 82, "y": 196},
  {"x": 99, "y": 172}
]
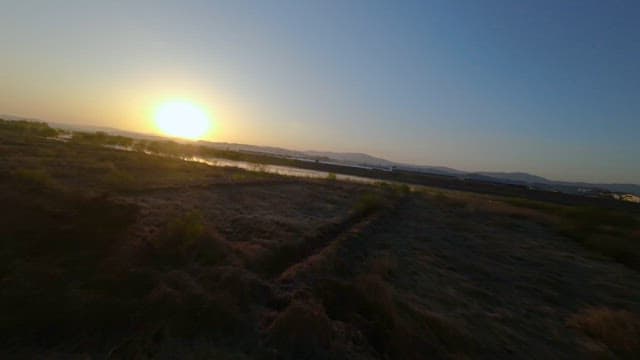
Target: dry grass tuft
[
  {"x": 383, "y": 265},
  {"x": 368, "y": 204},
  {"x": 34, "y": 179},
  {"x": 185, "y": 240},
  {"x": 618, "y": 329},
  {"x": 302, "y": 330}
]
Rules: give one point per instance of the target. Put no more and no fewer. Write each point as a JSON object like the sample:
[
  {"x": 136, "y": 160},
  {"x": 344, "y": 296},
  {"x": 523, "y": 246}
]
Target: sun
[{"x": 182, "y": 119}]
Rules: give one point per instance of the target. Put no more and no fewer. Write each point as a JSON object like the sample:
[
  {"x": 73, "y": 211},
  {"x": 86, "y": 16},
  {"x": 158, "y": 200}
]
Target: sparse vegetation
[
  {"x": 35, "y": 179},
  {"x": 27, "y": 128},
  {"x": 125, "y": 254},
  {"x": 302, "y": 330},
  {"x": 369, "y": 203},
  {"x": 608, "y": 232},
  {"x": 102, "y": 138},
  {"x": 383, "y": 265},
  {"x": 617, "y": 329},
  {"x": 185, "y": 241}
]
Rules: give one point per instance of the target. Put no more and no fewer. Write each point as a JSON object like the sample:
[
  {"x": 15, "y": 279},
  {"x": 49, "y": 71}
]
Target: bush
[
  {"x": 302, "y": 330},
  {"x": 186, "y": 240},
  {"x": 402, "y": 189},
  {"x": 450, "y": 199},
  {"x": 366, "y": 301},
  {"x": 368, "y": 204},
  {"x": 101, "y": 138},
  {"x": 35, "y": 178}
]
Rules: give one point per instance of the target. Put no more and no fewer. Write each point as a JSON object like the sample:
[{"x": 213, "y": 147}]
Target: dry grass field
[{"x": 120, "y": 254}]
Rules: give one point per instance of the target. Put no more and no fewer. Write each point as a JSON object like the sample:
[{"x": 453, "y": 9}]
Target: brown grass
[
  {"x": 611, "y": 233},
  {"x": 618, "y": 329},
  {"x": 383, "y": 265},
  {"x": 302, "y": 330},
  {"x": 185, "y": 240},
  {"x": 34, "y": 179},
  {"x": 107, "y": 257},
  {"x": 368, "y": 204}
]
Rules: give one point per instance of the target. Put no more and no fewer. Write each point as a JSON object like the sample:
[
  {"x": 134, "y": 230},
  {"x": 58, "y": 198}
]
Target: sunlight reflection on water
[
  {"x": 272, "y": 169},
  {"x": 277, "y": 169}
]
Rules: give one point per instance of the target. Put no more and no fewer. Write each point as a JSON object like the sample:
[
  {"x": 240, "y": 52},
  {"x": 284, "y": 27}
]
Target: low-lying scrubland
[
  {"x": 609, "y": 232},
  {"x": 106, "y": 253},
  {"x": 617, "y": 329}
]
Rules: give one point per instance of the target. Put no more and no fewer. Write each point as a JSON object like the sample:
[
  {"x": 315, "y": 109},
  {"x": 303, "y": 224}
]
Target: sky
[{"x": 546, "y": 87}]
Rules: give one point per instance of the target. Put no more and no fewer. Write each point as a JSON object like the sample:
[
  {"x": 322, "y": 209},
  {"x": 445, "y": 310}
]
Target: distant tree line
[{"x": 25, "y": 127}]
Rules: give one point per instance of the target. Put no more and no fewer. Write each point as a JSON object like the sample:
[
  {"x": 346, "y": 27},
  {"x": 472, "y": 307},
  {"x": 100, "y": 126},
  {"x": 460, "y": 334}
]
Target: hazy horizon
[
  {"x": 539, "y": 87},
  {"x": 88, "y": 127}
]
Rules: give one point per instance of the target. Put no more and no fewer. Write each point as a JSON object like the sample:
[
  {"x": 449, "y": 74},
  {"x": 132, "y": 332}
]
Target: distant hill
[
  {"x": 360, "y": 159},
  {"x": 565, "y": 186},
  {"x": 515, "y": 177},
  {"x": 439, "y": 170},
  {"x": 272, "y": 150},
  {"x": 355, "y": 158}
]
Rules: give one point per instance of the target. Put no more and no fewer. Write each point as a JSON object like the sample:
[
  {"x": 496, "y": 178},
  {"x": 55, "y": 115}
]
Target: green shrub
[
  {"x": 24, "y": 127},
  {"x": 119, "y": 180},
  {"x": 185, "y": 240},
  {"x": 188, "y": 228},
  {"x": 369, "y": 203},
  {"x": 34, "y": 178},
  {"x": 401, "y": 189},
  {"x": 101, "y": 138}
]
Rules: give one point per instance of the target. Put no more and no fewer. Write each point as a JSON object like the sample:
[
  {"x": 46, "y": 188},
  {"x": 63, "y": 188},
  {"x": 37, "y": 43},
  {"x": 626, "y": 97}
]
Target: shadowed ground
[{"x": 116, "y": 254}]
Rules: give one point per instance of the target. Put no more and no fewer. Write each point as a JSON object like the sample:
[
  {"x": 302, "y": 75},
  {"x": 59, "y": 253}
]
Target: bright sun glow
[{"x": 182, "y": 119}]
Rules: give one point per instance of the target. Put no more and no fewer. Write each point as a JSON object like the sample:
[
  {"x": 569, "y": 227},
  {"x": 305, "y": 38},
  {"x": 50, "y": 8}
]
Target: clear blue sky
[{"x": 547, "y": 87}]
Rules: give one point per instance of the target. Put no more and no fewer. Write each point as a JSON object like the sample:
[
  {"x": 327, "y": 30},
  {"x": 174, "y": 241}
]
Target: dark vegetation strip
[
  {"x": 210, "y": 185},
  {"x": 67, "y": 287},
  {"x": 610, "y": 232}
]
